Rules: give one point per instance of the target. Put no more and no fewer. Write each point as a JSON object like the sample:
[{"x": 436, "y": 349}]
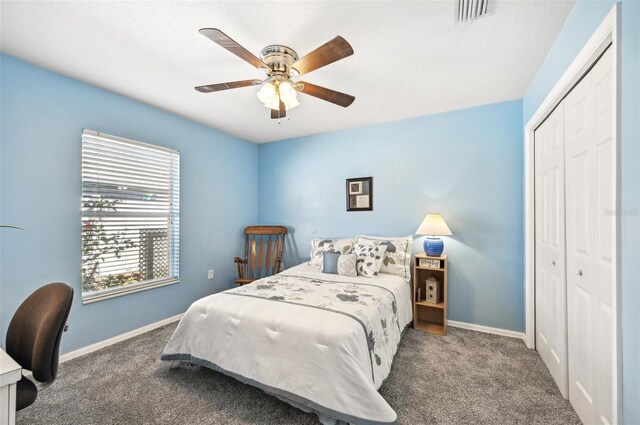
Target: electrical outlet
[{"x": 210, "y": 275}]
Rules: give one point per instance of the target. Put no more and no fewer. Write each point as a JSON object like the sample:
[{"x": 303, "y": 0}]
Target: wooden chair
[{"x": 262, "y": 253}]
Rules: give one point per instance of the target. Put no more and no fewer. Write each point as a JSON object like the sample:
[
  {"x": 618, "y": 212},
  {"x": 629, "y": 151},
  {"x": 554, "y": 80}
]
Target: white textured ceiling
[{"x": 411, "y": 58}]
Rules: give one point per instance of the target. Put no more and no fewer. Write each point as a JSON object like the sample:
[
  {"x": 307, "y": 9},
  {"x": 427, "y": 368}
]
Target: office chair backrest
[{"x": 33, "y": 336}]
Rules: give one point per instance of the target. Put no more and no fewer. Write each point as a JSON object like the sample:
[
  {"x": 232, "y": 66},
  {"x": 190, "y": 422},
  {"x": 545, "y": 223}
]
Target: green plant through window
[{"x": 98, "y": 245}]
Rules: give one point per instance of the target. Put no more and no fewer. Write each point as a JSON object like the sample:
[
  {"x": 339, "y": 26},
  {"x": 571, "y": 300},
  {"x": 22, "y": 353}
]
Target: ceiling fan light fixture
[
  {"x": 272, "y": 92},
  {"x": 274, "y": 104},
  {"x": 291, "y": 104},
  {"x": 268, "y": 94},
  {"x": 288, "y": 94}
]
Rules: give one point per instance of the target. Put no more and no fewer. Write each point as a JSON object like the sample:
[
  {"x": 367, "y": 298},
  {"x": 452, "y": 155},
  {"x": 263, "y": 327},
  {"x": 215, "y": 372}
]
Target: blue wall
[
  {"x": 43, "y": 115},
  {"x": 630, "y": 206},
  {"x": 581, "y": 23},
  {"x": 467, "y": 165}
]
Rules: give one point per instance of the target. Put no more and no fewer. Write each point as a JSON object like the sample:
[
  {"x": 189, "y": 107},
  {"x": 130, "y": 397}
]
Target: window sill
[{"x": 125, "y": 290}]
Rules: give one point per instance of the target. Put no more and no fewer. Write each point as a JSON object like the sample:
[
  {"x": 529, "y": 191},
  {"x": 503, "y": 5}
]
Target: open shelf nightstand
[{"x": 430, "y": 315}]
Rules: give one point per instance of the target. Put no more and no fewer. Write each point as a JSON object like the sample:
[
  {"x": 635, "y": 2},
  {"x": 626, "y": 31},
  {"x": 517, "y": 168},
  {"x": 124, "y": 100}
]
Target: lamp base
[{"x": 433, "y": 247}]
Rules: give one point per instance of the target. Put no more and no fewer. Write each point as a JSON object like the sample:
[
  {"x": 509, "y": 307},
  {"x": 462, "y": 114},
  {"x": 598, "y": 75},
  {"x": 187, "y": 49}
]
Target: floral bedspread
[{"x": 372, "y": 305}]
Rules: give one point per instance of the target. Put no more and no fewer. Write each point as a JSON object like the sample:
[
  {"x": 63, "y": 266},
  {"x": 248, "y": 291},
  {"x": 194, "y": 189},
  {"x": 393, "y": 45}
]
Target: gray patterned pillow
[
  {"x": 369, "y": 259},
  {"x": 318, "y": 246},
  {"x": 347, "y": 265},
  {"x": 397, "y": 258}
]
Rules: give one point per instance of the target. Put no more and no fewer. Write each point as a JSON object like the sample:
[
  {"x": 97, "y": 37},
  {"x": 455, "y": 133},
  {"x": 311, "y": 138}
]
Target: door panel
[
  {"x": 581, "y": 366},
  {"x": 580, "y": 195},
  {"x": 605, "y": 359},
  {"x": 590, "y": 242},
  {"x": 551, "y": 337}
]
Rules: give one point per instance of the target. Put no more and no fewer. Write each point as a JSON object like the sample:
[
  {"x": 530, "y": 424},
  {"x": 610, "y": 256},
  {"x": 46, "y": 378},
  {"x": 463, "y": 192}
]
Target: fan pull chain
[{"x": 288, "y": 119}]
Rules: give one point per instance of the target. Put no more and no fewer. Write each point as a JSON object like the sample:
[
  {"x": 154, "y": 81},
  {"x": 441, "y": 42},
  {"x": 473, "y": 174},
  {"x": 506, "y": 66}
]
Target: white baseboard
[
  {"x": 98, "y": 345},
  {"x": 486, "y": 329}
]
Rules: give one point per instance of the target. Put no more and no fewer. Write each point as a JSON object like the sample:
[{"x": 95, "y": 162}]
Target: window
[{"x": 130, "y": 216}]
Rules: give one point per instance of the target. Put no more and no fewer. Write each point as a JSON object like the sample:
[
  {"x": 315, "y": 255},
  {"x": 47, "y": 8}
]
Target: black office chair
[{"x": 33, "y": 337}]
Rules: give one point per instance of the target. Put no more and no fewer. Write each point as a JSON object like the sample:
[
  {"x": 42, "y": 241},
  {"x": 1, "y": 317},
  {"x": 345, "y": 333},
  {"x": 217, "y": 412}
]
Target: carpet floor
[{"x": 464, "y": 377}]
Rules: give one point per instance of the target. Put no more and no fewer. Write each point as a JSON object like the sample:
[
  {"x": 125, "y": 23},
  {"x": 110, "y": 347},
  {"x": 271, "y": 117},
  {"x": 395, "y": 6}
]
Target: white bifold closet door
[
  {"x": 590, "y": 240},
  {"x": 551, "y": 320}
]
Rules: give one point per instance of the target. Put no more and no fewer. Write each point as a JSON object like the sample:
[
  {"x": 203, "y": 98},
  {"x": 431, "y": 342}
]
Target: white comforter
[{"x": 322, "y": 342}]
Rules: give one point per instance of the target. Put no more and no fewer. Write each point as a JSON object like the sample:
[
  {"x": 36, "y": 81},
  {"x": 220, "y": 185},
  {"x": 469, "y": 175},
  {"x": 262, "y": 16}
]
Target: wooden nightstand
[{"x": 429, "y": 316}]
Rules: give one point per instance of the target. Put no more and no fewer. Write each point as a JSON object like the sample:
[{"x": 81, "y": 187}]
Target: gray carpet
[{"x": 463, "y": 378}]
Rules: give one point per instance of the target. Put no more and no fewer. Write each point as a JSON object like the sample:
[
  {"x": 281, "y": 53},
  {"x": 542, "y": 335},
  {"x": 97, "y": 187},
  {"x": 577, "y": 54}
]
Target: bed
[{"x": 321, "y": 342}]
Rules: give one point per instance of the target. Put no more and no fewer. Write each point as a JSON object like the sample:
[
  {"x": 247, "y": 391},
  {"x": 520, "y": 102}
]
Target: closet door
[
  {"x": 590, "y": 174},
  {"x": 551, "y": 321}
]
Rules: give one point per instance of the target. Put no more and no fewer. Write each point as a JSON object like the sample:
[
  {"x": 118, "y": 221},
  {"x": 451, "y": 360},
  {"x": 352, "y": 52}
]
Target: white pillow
[
  {"x": 347, "y": 265},
  {"x": 397, "y": 258},
  {"x": 318, "y": 246},
  {"x": 369, "y": 259}
]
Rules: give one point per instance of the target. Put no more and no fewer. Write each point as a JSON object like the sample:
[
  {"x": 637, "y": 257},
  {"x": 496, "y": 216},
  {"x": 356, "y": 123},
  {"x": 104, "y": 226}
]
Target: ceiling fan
[{"x": 280, "y": 63}]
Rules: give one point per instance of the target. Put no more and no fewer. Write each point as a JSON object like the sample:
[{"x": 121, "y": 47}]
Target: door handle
[
  {"x": 553, "y": 263},
  {"x": 579, "y": 272}
]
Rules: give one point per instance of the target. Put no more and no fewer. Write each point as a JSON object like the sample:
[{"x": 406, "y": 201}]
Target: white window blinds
[{"x": 130, "y": 216}]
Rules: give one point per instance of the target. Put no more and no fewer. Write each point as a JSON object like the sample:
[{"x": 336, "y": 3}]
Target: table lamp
[{"x": 433, "y": 226}]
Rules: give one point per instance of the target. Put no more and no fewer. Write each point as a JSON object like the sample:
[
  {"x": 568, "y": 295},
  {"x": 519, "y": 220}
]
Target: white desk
[{"x": 10, "y": 373}]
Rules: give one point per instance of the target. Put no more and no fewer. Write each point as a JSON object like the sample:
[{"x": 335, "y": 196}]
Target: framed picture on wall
[{"x": 360, "y": 194}]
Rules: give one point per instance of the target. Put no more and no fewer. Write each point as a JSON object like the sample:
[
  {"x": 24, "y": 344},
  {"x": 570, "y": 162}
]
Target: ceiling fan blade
[
  {"x": 277, "y": 114},
  {"x": 329, "y": 95},
  {"x": 228, "y": 43},
  {"x": 226, "y": 86},
  {"x": 334, "y": 50}
]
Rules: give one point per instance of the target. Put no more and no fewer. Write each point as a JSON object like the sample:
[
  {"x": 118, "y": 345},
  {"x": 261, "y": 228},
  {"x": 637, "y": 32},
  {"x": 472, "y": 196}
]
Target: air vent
[{"x": 468, "y": 10}]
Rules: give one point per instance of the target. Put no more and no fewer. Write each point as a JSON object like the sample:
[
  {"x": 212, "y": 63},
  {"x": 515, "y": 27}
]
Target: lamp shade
[{"x": 433, "y": 225}]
